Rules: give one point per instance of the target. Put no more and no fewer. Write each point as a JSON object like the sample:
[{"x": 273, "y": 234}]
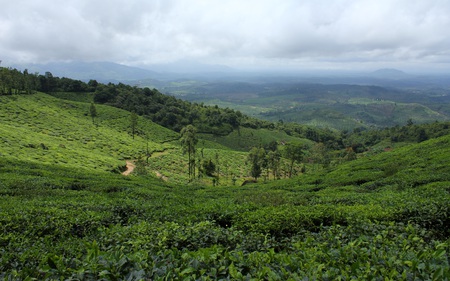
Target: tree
[
  {"x": 93, "y": 112},
  {"x": 217, "y": 166},
  {"x": 188, "y": 142},
  {"x": 209, "y": 167},
  {"x": 133, "y": 123},
  {"x": 421, "y": 135},
  {"x": 256, "y": 157},
  {"x": 349, "y": 154},
  {"x": 319, "y": 154},
  {"x": 273, "y": 162},
  {"x": 294, "y": 152}
]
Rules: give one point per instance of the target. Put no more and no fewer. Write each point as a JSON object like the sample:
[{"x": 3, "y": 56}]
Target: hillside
[
  {"x": 46, "y": 130},
  {"x": 76, "y": 223},
  {"x": 66, "y": 212}
]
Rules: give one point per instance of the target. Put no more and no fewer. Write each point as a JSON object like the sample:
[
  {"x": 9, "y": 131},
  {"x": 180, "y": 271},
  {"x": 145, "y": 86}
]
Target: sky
[{"x": 243, "y": 34}]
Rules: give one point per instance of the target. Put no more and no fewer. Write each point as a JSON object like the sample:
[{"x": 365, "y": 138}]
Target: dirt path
[
  {"x": 161, "y": 176},
  {"x": 130, "y": 168}
]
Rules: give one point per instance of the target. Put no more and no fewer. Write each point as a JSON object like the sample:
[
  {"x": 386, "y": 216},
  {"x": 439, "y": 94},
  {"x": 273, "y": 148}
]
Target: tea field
[
  {"x": 383, "y": 217},
  {"x": 66, "y": 212}
]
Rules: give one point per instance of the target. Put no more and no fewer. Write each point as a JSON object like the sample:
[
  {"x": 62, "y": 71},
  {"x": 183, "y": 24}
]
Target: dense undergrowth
[{"x": 374, "y": 218}]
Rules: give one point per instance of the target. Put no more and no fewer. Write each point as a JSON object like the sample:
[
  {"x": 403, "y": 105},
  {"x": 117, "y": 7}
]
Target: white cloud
[{"x": 231, "y": 32}]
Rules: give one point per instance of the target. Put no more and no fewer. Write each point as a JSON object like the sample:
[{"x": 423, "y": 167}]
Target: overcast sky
[{"x": 302, "y": 34}]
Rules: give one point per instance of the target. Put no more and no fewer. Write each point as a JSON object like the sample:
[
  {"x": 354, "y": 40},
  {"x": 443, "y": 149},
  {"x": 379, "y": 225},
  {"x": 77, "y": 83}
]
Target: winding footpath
[{"x": 130, "y": 168}]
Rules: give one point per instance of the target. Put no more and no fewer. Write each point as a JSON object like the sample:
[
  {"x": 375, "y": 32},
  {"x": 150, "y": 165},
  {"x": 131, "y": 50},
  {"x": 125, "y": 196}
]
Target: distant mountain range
[
  {"x": 158, "y": 75},
  {"x": 101, "y": 71},
  {"x": 113, "y": 72},
  {"x": 189, "y": 67},
  {"x": 390, "y": 73}
]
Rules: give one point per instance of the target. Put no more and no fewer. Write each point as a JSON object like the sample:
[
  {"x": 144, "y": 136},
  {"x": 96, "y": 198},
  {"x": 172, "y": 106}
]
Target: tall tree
[
  {"x": 319, "y": 154},
  {"x": 188, "y": 142},
  {"x": 93, "y": 112},
  {"x": 256, "y": 157},
  {"x": 133, "y": 123},
  {"x": 294, "y": 151},
  {"x": 273, "y": 162}
]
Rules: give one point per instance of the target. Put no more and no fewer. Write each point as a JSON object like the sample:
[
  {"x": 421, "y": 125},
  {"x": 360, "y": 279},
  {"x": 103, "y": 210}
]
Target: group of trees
[
  {"x": 360, "y": 140},
  {"x": 270, "y": 160},
  {"x": 169, "y": 111},
  {"x": 13, "y": 81}
]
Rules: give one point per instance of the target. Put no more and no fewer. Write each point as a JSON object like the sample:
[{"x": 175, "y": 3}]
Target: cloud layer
[{"x": 234, "y": 32}]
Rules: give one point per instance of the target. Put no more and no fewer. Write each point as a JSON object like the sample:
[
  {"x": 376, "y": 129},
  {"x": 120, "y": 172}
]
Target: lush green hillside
[
  {"x": 374, "y": 218},
  {"x": 378, "y": 215},
  {"x": 47, "y": 130},
  {"x": 44, "y": 129},
  {"x": 246, "y": 138}
]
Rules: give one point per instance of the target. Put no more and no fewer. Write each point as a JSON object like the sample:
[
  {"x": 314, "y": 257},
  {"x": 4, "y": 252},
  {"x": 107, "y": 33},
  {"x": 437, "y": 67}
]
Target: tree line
[
  {"x": 13, "y": 81},
  {"x": 273, "y": 159}
]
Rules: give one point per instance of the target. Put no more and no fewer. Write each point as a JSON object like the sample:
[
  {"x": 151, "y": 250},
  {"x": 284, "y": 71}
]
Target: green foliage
[
  {"x": 189, "y": 140},
  {"x": 335, "y": 106},
  {"x": 93, "y": 112},
  {"x": 413, "y": 133},
  {"x": 294, "y": 151},
  {"x": 209, "y": 168},
  {"x": 44, "y": 129},
  {"x": 247, "y": 138},
  {"x": 62, "y": 223},
  {"x": 133, "y": 123},
  {"x": 65, "y": 216},
  {"x": 257, "y": 159}
]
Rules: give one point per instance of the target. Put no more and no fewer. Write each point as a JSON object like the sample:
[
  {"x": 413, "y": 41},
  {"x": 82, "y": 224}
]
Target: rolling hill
[{"x": 66, "y": 212}]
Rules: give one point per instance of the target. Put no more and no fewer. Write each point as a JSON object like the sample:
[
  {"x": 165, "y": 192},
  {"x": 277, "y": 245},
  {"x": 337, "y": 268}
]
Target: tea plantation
[{"x": 67, "y": 214}]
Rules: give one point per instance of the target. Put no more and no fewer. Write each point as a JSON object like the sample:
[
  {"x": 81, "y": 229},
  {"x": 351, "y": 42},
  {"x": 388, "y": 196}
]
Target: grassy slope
[
  {"x": 248, "y": 138},
  {"x": 44, "y": 129}
]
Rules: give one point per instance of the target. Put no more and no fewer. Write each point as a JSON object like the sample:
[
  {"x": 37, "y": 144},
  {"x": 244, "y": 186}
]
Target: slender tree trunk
[
  {"x": 292, "y": 167},
  {"x": 189, "y": 164}
]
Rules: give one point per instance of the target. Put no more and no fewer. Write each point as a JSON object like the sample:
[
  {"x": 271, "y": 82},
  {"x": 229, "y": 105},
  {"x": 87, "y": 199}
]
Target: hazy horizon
[{"x": 289, "y": 35}]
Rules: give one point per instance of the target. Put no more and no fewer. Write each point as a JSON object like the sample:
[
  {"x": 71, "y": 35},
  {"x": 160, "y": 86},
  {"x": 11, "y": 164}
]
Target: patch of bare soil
[{"x": 130, "y": 168}]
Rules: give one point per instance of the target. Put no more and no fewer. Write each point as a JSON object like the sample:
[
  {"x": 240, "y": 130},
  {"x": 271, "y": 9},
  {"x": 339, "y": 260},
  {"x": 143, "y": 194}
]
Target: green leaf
[
  {"x": 188, "y": 270},
  {"x": 234, "y": 272},
  {"x": 438, "y": 274},
  {"x": 439, "y": 253}
]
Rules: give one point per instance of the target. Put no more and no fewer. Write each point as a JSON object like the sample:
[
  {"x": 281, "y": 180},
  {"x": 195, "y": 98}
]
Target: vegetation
[
  {"x": 188, "y": 142},
  {"x": 353, "y": 221},
  {"x": 68, "y": 214},
  {"x": 334, "y": 106}
]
